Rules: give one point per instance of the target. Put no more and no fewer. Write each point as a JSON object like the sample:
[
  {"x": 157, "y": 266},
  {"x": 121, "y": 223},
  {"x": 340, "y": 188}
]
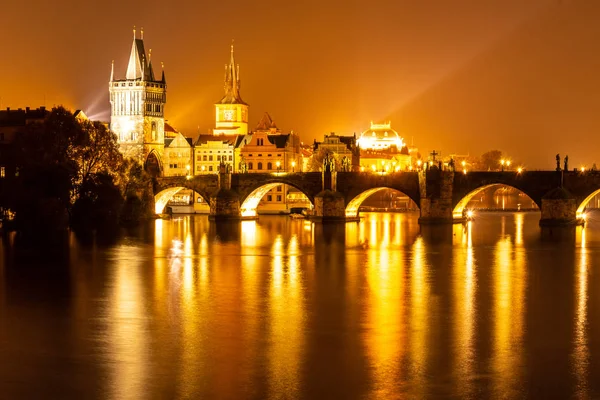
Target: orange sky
[{"x": 456, "y": 76}]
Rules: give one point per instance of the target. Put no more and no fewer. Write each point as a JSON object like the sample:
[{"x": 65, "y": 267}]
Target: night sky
[{"x": 457, "y": 76}]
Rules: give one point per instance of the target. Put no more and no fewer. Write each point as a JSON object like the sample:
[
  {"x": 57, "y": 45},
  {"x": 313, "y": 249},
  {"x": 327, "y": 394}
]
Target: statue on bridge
[
  {"x": 558, "y": 162},
  {"x": 451, "y": 164},
  {"x": 566, "y": 163},
  {"x": 345, "y": 164},
  {"x": 328, "y": 163},
  {"x": 243, "y": 167},
  {"x": 224, "y": 168}
]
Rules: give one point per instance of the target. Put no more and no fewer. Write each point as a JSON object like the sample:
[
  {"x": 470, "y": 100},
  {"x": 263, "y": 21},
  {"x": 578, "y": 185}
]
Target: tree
[
  {"x": 59, "y": 160},
  {"x": 490, "y": 160}
]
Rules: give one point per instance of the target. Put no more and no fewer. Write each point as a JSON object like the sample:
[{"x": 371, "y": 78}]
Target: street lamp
[
  {"x": 502, "y": 163},
  {"x": 508, "y": 164},
  {"x": 419, "y": 162},
  {"x": 187, "y": 167},
  {"x": 278, "y": 164},
  {"x": 293, "y": 166}
]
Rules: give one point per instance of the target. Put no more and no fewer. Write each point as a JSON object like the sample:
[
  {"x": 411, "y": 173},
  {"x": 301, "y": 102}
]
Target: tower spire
[
  {"x": 142, "y": 33},
  {"x": 112, "y": 70},
  {"x": 134, "y": 32}
]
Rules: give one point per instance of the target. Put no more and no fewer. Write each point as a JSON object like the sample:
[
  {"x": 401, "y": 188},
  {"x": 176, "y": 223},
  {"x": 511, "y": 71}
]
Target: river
[{"x": 283, "y": 308}]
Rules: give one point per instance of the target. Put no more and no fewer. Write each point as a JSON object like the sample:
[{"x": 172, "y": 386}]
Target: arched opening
[
  {"x": 153, "y": 165},
  {"x": 495, "y": 196},
  {"x": 590, "y": 202},
  {"x": 153, "y": 131},
  {"x": 391, "y": 200},
  {"x": 194, "y": 201},
  {"x": 249, "y": 207}
]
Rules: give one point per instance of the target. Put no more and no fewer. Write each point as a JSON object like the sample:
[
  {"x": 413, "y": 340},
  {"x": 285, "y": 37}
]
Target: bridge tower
[
  {"x": 137, "y": 105},
  {"x": 231, "y": 112}
]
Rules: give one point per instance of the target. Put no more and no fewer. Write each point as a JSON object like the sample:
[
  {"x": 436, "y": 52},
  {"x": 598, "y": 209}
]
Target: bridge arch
[
  {"x": 581, "y": 208},
  {"x": 459, "y": 208},
  {"x": 354, "y": 204},
  {"x": 162, "y": 198},
  {"x": 249, "y": 203}
]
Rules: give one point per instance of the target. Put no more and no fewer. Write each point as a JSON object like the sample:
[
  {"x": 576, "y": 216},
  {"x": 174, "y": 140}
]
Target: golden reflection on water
[
  {"x": 581, "y": 357},
  {"x": 385, "y": 337},
  {"x": 127, "y": 325},
  {"x": 509, "y": 280},
  {"x": 286, "y": 319},
  {"x": 419, "y": 317},
  {"x": 465, "y": 284}
]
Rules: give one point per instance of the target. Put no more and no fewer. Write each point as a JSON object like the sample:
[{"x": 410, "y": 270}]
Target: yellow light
[
  {"x": 293, "y": 163},
  {"x": 464, "y": 171},
  {"x": 373, "y": 167},
  {"x": 362, "y": 168},
  {"x": 419, "y": 162},
  {"x": 203, "y": 167},
  {"x": 502, "y": 161},
  {"x": 463, "y": 163},
  {"x": 410, "y": 167},
  {"x": 582, "y": 169},
  {"x": 278, "y": 163},
  {"x": 519, "y": 170},
  {"x": 431, "y": 163},
  {"x": 508, "y": 163},
  {"x": 470, "y": 213}
]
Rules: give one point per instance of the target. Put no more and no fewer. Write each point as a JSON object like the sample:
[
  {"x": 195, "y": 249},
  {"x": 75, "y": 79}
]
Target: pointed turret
[
  {"x": 162, "y": 65},
  {"x": 232, "y": 83},
  {"x": 112, "y": 71},
  {"x": 137, "y": 67}
]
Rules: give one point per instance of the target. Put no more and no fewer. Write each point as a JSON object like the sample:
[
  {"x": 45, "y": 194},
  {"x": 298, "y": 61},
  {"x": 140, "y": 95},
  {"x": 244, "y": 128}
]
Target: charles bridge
[{"x": 442, "y": 195}]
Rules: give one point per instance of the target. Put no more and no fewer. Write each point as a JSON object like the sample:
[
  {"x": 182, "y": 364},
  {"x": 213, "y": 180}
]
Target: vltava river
[{"x": 282, "y": 308}]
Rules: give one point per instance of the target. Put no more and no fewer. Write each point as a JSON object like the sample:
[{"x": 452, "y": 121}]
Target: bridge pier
[
  {"x": 559, "y": 208},
  {"x": 225, "y": 203},
  {"x": 435, "y": 187},
  {"x": 329, "y": 206}
]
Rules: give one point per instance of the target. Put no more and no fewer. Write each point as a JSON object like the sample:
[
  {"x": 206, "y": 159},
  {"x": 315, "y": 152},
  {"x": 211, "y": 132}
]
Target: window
[
  {"x": 250, "y": 166},
  {"x": 210, "y": 168},
  {"x": 269, "y": 198},
  {"x": 269, "y": 155},
  {"x": 269, "y": 166},
  {"x": 230, "y": 158},
  {"x": 2, "y": 172},
  {"x": 279, "y": 188},
  {"x": 154, "y": 131},
  {"x": 278, "y": 197},
  {"x": 259, "y": 166},
  {"x": 204, "y": 157},
  {"x": 199, "y": 199},
  {"x": 210, "y": 158},
  {"x": 218, "y": 158}
]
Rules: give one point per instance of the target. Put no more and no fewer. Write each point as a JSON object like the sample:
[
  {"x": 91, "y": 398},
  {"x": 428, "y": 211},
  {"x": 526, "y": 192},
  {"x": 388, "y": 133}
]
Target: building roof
[
  {"x": 20, "y": 117},
  {"x": 266, "y": 123},
  {"x": 140, "y": 64},
  {"x": 232, "y": 83},
  {"x": 381, "y": 132},
  {"x": 202, "y": 139}
]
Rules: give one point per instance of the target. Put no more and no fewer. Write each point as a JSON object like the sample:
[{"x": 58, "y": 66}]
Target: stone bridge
[{"x": 441, "y": 195}]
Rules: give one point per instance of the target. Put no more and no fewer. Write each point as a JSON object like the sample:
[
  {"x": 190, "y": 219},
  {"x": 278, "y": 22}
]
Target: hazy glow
[
  {"x": 581, "y": 353},
  {"x": 581, "y": 209},
  {"x": 457, "y": 213},
  {"x": 354, "y": 204}
]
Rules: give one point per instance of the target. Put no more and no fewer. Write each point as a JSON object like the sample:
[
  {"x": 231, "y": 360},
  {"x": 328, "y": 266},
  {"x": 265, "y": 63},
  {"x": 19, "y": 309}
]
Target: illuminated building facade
[
  {"x": 267, "y": 150},
  {"x": 383, "y": 150},
  {"x": 342, "y": 147},
  {"x": 231, "y": 113},
  {"x": 137, "y": 109}
]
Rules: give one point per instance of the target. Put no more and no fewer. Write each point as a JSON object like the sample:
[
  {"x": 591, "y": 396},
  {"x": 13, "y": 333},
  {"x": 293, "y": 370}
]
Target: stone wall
[
  {"x": 329, "y": 206},
  {"x": 558, "y": 212}
]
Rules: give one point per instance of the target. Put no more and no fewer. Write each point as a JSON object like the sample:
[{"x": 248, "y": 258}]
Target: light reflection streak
[
  {"x": 419, "y": 313},
  {"x": 510, "y": 279},
  {"x": 287, "y": 318},
  {"x": 127, "y": 326},
  {"x": 465, "y": 283},
  {"x": 385, "y": 341},
  {"x": 581, "y": 356}
]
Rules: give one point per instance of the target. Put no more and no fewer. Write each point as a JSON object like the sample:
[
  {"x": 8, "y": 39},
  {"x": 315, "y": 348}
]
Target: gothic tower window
[{"x": 154, "y": 131}]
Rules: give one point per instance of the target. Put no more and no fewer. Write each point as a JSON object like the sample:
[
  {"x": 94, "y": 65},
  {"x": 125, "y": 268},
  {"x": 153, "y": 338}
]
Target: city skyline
[{"x": 521, "y": 75}]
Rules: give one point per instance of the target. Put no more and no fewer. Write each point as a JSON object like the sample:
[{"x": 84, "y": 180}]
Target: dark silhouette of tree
[
  {"x": 316, "y": 162},
  {"x": 490, "y": 160}
]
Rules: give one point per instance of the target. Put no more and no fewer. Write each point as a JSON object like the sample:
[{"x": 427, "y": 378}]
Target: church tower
[
  {"x": 231, "y": 112},
  {"x": 137, "y": 105}
]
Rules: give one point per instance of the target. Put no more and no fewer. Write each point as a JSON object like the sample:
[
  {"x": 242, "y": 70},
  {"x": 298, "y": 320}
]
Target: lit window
[
  {"x": 210, "y": 168},
  {"x": 230, "y": 158},
  {"x": 278, "y": 197},
  {"x": 269, "y": 198},
  {"x": 2, "y": 172}
]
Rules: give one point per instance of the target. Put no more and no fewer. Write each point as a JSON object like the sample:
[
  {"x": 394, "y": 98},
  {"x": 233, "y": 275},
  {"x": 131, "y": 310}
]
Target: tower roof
[
  {"x": 138, "y": 67},
  {"x": 266, "y": 123},
  {"x": 232, "y": 83}
]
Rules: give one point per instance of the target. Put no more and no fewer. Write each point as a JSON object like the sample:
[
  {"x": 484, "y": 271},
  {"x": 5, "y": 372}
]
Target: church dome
[{"x": 380, "y": 137}]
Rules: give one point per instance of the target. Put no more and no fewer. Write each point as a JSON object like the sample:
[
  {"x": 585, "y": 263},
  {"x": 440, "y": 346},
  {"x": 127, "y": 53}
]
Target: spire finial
[
  {"x": 149, "y": 55},
  {"x": 112, "y": 70},
  {"x": 162, "y": 65},
  {"x": 142, "y": 33},
  {"x": 232, "y": 40},
  {"x": 134, "y": 32}
]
